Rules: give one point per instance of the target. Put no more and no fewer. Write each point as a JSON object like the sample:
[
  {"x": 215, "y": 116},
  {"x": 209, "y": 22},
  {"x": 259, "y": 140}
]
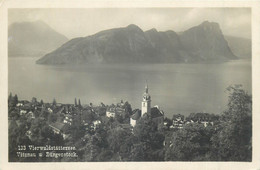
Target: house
[
  {"x": 206, "y": 123},
  {"x": 19, "y": 104},
  {"x": 23, "y": 102},
  {"x": 31, "y": 115},
  {"x": 157, "y": 115},
  {"x": 96, "y": 123},
  {"x": 68, "y": 119},
  {"x": 172, "y": 127},
  {"x": 178, "y": 122},
  {"x": 114, "y": 110},
  {"x": 23, "y": 112},
  {"x": 50, "y": 110},
  {"x": 58, "y": 128},
  {"x": 111, "y": 112},
  {"x": 135, "y": 117}
]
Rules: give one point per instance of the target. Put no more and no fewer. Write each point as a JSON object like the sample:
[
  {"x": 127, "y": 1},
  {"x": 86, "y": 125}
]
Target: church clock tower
[{"x": 146, "y": 103}]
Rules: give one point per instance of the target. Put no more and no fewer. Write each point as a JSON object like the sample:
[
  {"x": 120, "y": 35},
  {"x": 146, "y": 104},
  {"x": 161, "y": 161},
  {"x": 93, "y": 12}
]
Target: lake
[{"x": 175, "y": 88}]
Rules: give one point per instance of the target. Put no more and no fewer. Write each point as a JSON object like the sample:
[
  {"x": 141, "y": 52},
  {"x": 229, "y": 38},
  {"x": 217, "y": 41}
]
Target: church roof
[
  {"x": 136, "y": 115},
  {"x": 155, "y": 112},
  {"x": 57, "y": 125}
]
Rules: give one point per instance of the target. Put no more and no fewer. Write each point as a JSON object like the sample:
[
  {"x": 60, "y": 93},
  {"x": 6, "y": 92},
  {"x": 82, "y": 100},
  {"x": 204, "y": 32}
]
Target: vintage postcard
[{"x": 109, "y": 85}]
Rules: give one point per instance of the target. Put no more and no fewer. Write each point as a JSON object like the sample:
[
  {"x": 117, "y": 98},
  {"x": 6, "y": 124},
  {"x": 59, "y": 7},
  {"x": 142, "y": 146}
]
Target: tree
[
  {"x": 44, "y": 114},
  {"x": 75, "y": 102},
  {"x": 239, "y": 103},
  {"x": 101, "y": 111},
  {"x": 34, "y": 100},
  {"x": 10, "y": 97},
  {"x": 233, "y": 140},
  {"x": 138, "y": 152},
  {"x": 79, "y": 103},
  {"x": 90, "y": 151},
  {"x": 13, "y": 114},
  {"x": 102, "y": 104},
  {"x": 38, "y": 136},
  {"x": 54, "y": 103},
  {"x": 190, "y": 143},
  {"x": 94, "y": 146},
  {"x": 41, "y": 102},
  {"x": 17, "y": 136},
  {"x": 52, "y": 118},
  {"x": 147, "y": 136},
  {"x": 119, "y": 118},
  {"x": 128, "y": 108},
  {"x": 88, "y": 116},
  {"x": 13, "y": 100},
  {"x": 77, "y": 129},
  {"x": 120, "y": 142}
]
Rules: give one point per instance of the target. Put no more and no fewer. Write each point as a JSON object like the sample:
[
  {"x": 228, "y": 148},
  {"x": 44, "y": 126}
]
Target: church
[{"x": 156, "y": 114}]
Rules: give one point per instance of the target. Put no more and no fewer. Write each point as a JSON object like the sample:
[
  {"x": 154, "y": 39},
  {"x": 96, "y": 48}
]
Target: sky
[{"x": 83, "y": 22}]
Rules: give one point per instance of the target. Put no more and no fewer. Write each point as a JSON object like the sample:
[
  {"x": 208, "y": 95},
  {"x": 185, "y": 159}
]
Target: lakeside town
[
  {"x": 117, "y": 132},
  {"x": 61, "y": 115}
]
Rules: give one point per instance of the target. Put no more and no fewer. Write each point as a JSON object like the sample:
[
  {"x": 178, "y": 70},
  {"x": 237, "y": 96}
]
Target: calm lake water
[{"x": 176, "y": 88}]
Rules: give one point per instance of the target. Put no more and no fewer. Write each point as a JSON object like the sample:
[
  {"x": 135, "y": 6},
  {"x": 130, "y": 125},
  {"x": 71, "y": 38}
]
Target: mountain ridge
[
  {"x": 206, "y": 40},
  {"x": 131, "y": 44}
]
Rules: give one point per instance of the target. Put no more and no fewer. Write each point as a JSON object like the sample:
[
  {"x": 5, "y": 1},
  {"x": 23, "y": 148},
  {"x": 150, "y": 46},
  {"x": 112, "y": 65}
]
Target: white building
[
  {"x": 146, "y": 108},
  {"x": 146, "y": 103},
  {"x": 135, "y": 117},
  {"x": 96, "y": 123},
  {"x": 111, "y": 112},
  {"x": 68, "y": 119}
]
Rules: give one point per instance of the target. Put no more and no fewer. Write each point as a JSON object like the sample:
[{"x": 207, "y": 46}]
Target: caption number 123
[{"x": 21, "y": 147}]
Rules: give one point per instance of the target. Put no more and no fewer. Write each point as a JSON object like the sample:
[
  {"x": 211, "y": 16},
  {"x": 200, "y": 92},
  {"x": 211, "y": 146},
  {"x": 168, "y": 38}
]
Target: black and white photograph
[{"x": 129, "y": 84}]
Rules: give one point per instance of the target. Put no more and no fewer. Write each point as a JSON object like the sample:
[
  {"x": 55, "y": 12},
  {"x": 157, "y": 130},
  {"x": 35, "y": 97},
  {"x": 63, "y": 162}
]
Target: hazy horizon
[{"x": 71, "y": 22}]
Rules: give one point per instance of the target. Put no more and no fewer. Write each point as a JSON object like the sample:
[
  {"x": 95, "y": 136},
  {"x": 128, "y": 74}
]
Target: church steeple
[
  {"x": 146, "y": 88},
  {"x": 146, "y": 103}
]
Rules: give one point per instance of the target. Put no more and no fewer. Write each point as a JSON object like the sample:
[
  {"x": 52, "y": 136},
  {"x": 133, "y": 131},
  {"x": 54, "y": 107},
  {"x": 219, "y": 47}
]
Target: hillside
[
  {"x": 32, "y": 39},
  {"x": 207, "y": 42},
  {"x": 132, "y": 45}
]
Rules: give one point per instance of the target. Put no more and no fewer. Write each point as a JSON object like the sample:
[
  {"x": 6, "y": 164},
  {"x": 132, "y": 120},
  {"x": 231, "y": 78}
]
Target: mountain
[
  {"x": 206, "y": 42},
  {"x": 168, "y": 45},
  {"x": 132, "y": 45},
  {"x": 241, "y": 47},
  {"x": 117, "y": 45},
  {"x": 32, "y": 39}
]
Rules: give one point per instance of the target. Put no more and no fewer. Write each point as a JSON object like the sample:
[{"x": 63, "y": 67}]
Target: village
[
  {"x": 61, "y": 116},
  {"x": 115, "y": 132}
]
